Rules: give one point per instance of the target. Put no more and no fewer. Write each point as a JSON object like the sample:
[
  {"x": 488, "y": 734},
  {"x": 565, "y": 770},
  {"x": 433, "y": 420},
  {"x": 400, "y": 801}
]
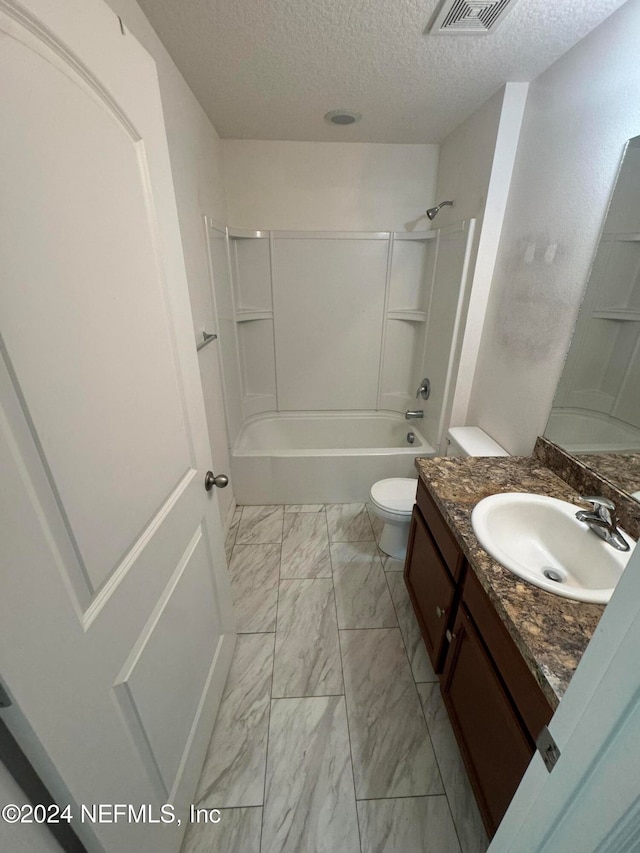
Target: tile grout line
[
  {"x": 244, "y": 633},
  {"x": 446, "y": 793},
  {"x": 235, "y": 535},
  {"x": 266, "y": 759},
  {"x": 400, "y": 797},
  {"x": 346, "y": 712},
  {"x": 378, "y": 628},
  {"x": 273, "y": 667},
  {"x": 453, "y": 821},
  {"x": 335, "y": 610},
  {"x": 424, "y": 716},
  {"x": 371, "y": 523},
  {"x": 349, "y": 541},
  {"x": 307, "y": 696}
]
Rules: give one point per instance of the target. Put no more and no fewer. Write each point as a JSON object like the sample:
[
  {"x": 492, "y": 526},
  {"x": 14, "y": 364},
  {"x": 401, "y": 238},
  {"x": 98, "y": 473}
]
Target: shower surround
[{"x": 325, "y": 338}]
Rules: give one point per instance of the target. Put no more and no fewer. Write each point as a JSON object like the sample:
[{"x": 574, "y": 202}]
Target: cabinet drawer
[
  {"x": 493, "y": 743},
  {"x": 527, "y": 695},
  {"x": 431, "y": 590},
  {"x": 444, "y": 539}
]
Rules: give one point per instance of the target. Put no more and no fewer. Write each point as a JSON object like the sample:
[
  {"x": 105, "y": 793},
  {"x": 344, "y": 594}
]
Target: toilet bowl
[{"x": 392, "y": 500}]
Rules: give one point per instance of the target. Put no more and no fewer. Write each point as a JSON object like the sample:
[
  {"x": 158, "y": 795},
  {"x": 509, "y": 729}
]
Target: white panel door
[{"x": 116, "y": 626}]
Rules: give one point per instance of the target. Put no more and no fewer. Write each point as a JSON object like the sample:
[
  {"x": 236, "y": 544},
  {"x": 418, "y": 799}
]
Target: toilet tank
[{"x": 472, "y": 441}]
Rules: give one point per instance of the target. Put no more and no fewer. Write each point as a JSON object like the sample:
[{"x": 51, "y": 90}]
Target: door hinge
[
  {"x": 5, "y": 699},
  {"x": 548, "y": 749}
]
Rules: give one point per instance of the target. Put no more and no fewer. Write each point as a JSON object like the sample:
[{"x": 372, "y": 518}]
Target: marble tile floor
[{"x": 331, "y": 735}]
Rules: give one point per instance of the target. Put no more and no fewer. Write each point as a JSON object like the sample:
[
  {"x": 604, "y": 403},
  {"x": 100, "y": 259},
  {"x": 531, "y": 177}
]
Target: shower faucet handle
[{"x": 425, "y": 389}]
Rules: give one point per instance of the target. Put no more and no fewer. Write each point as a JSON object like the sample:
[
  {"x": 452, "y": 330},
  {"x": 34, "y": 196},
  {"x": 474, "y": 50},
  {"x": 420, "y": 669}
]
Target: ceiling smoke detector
[
  {"x": 342, "y": 117},
  {"x": 470, "y": 17}
]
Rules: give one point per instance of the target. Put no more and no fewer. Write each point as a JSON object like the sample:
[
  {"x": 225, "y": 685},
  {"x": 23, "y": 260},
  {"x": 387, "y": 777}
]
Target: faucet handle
[
  {"x": 605, "y": 508},
  {"x": 425, "y": 389},
  {"x": 598, "y": 501}
]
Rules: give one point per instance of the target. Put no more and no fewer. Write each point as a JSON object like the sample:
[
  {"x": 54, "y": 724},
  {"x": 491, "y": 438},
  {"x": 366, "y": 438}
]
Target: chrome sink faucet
[{"x": 602, "y": 520}]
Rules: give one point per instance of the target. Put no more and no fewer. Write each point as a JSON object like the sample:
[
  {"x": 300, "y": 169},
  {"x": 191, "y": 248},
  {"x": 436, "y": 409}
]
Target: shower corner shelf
[
  {"x": 247, "y": 234},
  {"x": 398, "y": 395},
  {"x": 625, "y": 314},
  {"x": 415, "y": 235},
  {"x": 625, "y": 238},
  {"x": 410, "y": 315},
  {"x": 247, "y": 315}
]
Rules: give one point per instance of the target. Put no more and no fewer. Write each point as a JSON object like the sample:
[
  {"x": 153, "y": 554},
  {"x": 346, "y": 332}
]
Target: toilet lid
[{"x": 397, "y": 494}]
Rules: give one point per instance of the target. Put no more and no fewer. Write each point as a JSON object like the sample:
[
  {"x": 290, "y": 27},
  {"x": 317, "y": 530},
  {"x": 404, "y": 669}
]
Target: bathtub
[
  {"x": 322, "y": 457},
  {"x": 583, "y": 431}
]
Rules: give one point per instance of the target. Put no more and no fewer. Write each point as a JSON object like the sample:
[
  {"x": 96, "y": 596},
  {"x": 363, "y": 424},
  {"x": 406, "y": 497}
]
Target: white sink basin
[{"x": 541, "y": 540}]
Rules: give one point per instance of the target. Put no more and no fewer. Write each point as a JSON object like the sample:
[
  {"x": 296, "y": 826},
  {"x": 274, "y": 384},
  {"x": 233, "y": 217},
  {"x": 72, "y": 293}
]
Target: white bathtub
[
  {"x": 582, "y": 431},
  {"x": 322, "y": 457}
]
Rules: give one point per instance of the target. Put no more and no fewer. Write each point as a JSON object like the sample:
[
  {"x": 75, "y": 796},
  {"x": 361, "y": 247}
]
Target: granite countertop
[
  {"x": 551, "y": 632},
  {"x": 621, "y": 469}
]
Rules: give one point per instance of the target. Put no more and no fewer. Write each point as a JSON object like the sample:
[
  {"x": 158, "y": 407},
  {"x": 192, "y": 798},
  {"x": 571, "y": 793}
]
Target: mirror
[{"x": 596, "y": 409}]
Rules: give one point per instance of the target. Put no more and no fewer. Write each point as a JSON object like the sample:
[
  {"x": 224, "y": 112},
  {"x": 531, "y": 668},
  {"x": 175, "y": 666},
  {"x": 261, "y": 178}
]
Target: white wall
[
  {"x": 196, "y": 163},
  {"x": 464, "y": 167},
  {"x": 464, "y": 173},
  {"x": 328, "y": 186},
  {"x": 475, "y": 170},
  {"x": 579, "y": 114},
  {"x": 329, "y": 299},
  {"x": 22, "y": 838}
]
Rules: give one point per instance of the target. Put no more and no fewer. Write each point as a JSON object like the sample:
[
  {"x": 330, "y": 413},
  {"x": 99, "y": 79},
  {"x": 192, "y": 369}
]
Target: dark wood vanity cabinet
[
  {"x": 494, "y": 745},
  {"x": 431, "y": 589},
  {"x": 433, "y": 569},
  {"x": 495, "y": 705}
]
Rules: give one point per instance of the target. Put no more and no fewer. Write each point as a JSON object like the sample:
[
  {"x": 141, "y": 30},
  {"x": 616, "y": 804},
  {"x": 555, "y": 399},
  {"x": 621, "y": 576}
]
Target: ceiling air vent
[{"x": 471, "y": 17}]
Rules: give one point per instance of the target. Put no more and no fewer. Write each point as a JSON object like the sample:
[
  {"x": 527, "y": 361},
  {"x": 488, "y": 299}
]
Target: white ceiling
[{"x": 271, "y": 69}]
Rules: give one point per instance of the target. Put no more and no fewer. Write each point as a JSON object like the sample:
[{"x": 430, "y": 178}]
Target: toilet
[
  {"x": 472, "y": 441},
  {"x": 392, "y": 499}
]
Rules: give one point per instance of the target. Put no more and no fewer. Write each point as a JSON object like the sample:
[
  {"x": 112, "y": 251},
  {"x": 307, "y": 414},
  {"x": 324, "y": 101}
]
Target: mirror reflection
[{"x": 596, "y": 409}]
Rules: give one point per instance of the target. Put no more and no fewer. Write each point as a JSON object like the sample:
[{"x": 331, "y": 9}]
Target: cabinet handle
[
  {"x": 439, "y": 611},
  {"x": 450, "y": 637}
]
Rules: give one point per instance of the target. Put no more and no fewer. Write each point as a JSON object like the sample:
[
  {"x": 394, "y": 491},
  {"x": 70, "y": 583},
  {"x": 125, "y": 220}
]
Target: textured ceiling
[{"x": 271, "y": 69}]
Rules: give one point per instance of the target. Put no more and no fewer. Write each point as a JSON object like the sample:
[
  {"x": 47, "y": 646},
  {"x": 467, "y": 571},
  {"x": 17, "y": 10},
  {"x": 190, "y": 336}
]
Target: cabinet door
[
  {"x": 492, "y": 741},
  {"x": 430, "y": 588}
]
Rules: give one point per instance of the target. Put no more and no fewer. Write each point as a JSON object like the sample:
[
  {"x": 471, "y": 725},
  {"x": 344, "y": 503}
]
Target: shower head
[{"x": 433, "y": 211}]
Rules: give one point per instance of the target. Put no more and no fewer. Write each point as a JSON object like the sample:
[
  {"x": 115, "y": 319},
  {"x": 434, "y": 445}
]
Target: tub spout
[{"x": 413, "y": 414}]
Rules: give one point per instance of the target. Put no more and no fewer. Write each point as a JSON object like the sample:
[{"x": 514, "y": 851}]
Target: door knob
[{"x": 211, "y": 480}]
